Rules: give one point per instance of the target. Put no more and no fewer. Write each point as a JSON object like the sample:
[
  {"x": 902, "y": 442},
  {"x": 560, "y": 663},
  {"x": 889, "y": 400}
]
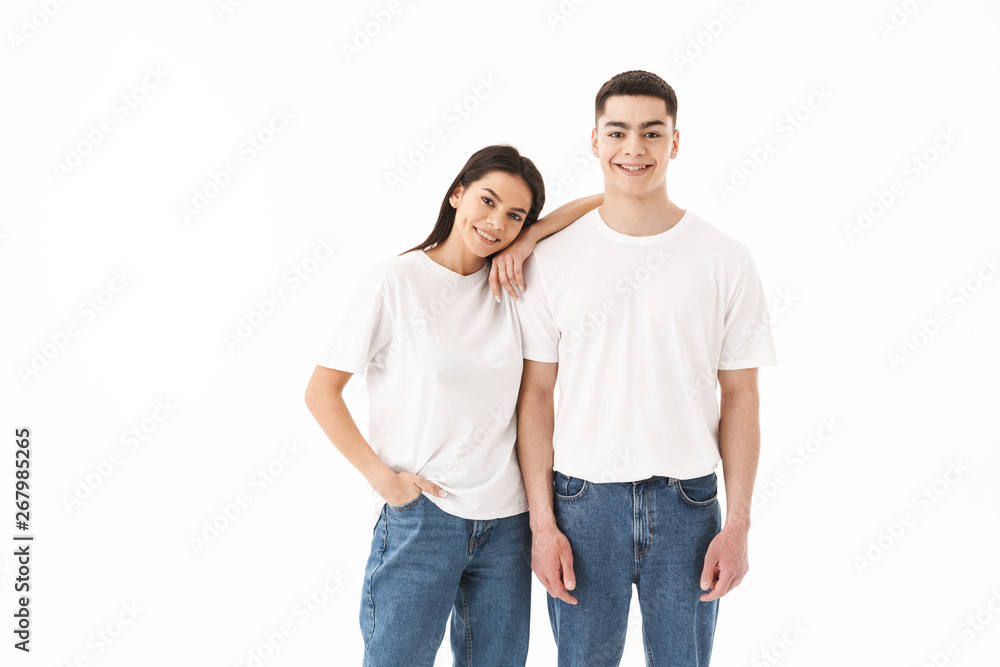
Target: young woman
[{"x": 442, "y": 360}]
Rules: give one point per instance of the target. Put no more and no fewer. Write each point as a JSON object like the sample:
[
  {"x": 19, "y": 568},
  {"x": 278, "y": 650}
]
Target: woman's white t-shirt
[{"x": 442, "y": 364}]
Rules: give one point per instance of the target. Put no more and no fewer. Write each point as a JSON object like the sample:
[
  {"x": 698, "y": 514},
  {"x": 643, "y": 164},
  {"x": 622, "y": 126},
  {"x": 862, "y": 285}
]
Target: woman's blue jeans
[{"x": 426, "y": 564}]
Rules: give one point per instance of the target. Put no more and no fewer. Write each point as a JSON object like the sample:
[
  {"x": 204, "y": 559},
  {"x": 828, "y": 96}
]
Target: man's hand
[
  {"x": 506, "y": 270},
  {"x": 552, "y": 563},
  {"x": 726, "y": 563},
  {"x": 404, "y": 487}
]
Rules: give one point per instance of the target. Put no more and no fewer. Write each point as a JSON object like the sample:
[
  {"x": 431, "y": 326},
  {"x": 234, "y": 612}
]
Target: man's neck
[{"x": 644, "y": 215}]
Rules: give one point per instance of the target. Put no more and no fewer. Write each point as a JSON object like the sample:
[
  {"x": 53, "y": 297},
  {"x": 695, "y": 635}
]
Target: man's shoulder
[
  {"x": 716, "y": 240},
  {"x": 566, "y": 238}
]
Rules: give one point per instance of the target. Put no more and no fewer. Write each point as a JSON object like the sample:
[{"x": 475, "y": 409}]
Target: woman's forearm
[{"x": 333, "y": 416}]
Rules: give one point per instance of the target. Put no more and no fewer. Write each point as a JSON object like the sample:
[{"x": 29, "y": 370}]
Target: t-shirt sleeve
[
  {"x": 746, "y": 337},
  {"x": 363, "y": 329},
  {"x": 539, "y": 334}
]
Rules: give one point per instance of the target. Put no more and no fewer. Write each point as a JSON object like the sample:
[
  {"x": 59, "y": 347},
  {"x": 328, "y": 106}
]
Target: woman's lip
[{"x": 484, "y": 239}]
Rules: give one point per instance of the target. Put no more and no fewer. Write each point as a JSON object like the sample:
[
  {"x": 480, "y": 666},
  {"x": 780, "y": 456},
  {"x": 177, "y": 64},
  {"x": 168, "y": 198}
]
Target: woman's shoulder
[{"x": 389, "y": 271}]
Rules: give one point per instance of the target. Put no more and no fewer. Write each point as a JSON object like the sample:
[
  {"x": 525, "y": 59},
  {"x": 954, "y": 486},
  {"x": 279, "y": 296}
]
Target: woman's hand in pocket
[{"x": 404, "y": 487}]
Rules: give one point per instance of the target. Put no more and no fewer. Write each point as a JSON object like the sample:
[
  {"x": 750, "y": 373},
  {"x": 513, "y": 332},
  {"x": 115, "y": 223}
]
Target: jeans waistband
[{"x": 656, "y": 478}]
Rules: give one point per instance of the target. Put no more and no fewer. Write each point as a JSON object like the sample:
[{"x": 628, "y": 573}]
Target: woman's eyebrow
[{"x": 500, "y": 201}]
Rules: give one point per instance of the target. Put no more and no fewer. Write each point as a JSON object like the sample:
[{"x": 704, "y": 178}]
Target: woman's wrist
[
  {"x": 381, "y": 479},
  {"x": 533, "y": 232}
]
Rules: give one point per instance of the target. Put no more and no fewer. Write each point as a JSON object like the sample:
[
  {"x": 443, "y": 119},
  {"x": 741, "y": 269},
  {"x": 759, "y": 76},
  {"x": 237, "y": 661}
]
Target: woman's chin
[{"x": 486, "y": 251}]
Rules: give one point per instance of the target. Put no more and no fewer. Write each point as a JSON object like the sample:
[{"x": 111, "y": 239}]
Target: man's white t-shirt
[
  {"x": 640, "y": 326},
  {"x": 442, "y": 364}
]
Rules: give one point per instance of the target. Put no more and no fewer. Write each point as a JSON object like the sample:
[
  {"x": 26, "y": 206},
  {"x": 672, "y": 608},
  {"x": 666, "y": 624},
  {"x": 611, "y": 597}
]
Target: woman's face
[{"x": 490, "y": 212}]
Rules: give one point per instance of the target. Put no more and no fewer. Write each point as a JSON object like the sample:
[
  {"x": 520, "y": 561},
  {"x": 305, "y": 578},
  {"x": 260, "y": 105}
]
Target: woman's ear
[{"x": 456, "y": 196}]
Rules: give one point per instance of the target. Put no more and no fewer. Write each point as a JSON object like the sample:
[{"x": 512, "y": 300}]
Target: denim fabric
[
  {"x": 426, "y": 564},
  {"x": 654, "y": 534}
]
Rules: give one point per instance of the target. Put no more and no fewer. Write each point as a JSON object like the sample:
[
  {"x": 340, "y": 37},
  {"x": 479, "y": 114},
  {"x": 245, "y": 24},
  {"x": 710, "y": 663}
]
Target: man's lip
[{"x": 641, "y": 171}]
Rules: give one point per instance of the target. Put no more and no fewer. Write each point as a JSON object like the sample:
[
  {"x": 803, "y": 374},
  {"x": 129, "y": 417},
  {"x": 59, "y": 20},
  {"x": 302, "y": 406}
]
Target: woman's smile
[{"x": 487, "y": 239}]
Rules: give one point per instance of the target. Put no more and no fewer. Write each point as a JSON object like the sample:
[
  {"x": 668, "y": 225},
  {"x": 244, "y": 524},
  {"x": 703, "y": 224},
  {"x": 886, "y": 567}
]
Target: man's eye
[
  {"x": 615, "y": 135},
  {"x": 652, "y": 135}
]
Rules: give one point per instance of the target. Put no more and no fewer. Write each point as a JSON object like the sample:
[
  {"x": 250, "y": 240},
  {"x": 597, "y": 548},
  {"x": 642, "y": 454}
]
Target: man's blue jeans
[
  {"x": 426, "y": 564},
  {"x": 654, "y": 534}
]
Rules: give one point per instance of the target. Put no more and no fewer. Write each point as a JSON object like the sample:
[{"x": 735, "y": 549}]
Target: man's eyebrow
[
  {"x": 500, "y": 201},
  {"x": 624, "y": 126}
]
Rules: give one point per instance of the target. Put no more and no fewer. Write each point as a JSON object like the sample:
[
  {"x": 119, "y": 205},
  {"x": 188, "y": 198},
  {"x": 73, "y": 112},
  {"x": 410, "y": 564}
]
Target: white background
[{"x": 847, "y": 302}]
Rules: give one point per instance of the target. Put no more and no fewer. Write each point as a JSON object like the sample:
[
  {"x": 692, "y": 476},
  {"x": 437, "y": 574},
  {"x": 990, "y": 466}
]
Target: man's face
[{"x": 634, "y": 141}]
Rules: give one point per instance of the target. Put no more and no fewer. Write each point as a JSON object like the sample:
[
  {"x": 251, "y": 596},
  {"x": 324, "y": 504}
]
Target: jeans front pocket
[
  {"x": 410, "y": 505},
  {"x": 568, "y": 488},
  {"x": 698, "y": 491}
]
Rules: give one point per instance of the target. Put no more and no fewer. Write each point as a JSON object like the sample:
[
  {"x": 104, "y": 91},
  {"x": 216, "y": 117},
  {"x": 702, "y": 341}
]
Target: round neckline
[
  {"x": 680, "y": 226},
  {"x": 454, "y": 276}
]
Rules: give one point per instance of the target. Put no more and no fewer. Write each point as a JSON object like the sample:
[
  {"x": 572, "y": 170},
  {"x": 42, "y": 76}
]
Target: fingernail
[
  {"x": 523, "y": 288},
  {"x": 498, "y": 299},
  {"x": 704, "y": 585},
  {"x": 442, "y": 493}
]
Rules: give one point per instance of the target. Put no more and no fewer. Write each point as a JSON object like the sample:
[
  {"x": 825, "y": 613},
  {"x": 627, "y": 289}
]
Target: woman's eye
[
  {"x": 516, "y": 217},
  {"x": 487, "y": 201}
]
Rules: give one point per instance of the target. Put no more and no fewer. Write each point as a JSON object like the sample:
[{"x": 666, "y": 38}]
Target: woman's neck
[{"x": 453, "y": 255}]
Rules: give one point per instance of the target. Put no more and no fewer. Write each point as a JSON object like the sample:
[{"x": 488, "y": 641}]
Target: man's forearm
[
  {"x": 739, "y": 445},
  {"x": 535, "y": 421}
]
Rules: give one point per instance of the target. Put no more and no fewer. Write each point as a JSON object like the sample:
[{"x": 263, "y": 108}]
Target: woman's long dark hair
[{"x": 492, "y": 158}]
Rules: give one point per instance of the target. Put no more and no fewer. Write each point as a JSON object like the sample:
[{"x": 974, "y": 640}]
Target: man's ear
[{"x": 593, "y": 142}]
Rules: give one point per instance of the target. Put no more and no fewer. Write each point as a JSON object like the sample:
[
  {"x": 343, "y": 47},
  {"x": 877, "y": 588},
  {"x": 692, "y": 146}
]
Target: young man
[{"x": 636, "y": 309}]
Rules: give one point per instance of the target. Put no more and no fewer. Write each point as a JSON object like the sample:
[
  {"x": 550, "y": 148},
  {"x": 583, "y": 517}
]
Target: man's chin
[{"x": 633, "y": 188}]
